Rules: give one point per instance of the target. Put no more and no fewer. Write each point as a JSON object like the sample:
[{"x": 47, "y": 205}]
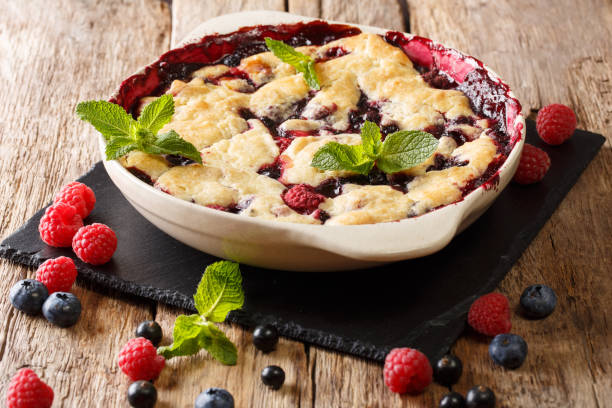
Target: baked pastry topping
[{"x": 258, "y": 124}]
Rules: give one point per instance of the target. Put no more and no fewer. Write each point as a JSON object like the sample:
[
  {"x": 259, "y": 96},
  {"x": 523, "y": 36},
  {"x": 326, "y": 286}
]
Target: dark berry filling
[
  {"x": 140, "y": 175},
  {"x": 331, "y": 53},
  {"x": 441, "y": 163}
]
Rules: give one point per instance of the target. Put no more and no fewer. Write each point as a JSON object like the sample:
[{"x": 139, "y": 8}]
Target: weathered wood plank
[
  {"x": 382, "y": 13},
  {"x": 187, "y": 14},
  {"x": 52, "y": 57}
]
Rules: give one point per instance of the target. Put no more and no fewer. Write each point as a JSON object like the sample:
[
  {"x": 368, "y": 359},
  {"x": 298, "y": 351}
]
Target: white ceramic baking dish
[{"x": 297, "y": 247}]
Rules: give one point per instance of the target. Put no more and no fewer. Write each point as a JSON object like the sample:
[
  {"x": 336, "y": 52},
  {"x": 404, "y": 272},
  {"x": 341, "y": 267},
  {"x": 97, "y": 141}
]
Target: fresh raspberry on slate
[
  {"x": 407, "y": 370},
  {"x": 95, "y": 243},
  {"x": 555, "y": 123},
  {"x": 533, "y": 166},
  {"x": 57, "y": 274},
  {"x": 303, "y": 198},
  {"x": 139, "y": 360},
  {"x": 78, "y": 195},
  {"x": 490, "y": 314},
  {"x": 26, "y": 390},
  {"x": 59, "y": 224}
]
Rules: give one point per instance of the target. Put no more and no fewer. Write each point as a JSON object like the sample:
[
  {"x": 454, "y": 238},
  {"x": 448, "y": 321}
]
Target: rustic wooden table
[{"x": 53, "y": 55}]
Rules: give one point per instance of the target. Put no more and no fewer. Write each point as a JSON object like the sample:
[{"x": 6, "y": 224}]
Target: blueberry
[
  {"x": 142, "y": 394},
  {"x": 273, "y": 377},
  {"x": 62, "y": 309},
  {"x": 452, "y": 400},
  {"x": 480, "y": 397},
  {"x": 508, "y": 350},
  {"x": 28, "y": 295},
  {"x": 448, "y": 370},
  {"x": 214, "y": 398},
  {"x": 265, "y": 337},
  {"x": 538, "y": 301},
  {"x": 150, "y": 330}
]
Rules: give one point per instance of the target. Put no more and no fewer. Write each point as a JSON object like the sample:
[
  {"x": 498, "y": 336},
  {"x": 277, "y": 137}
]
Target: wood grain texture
[{"x": 82, "y": 49}]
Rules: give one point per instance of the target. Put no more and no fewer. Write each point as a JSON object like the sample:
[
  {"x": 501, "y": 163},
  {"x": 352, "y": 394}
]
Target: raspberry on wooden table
[
  {"x": 303, "y": 198},
  {"x": 407, "y": 370},
  {"x": 78, "y": 195},
  {"x": 26, "y": 390},
  {"x": 57, "y": 274},
  {"x": 555, "y": 123},
  {"x": 490, "y": 314},
  {"x": 533, "y": 166},
  {"x": 59, "y": 224},
  {"x": 95, "y": 243},
  {"x": 139, "y": 360}
]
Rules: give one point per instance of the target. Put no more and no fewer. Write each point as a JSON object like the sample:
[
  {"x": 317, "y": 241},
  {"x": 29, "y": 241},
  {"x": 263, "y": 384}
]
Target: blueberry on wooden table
[
  {"x": 28, "y": 295},
  {"x": 150, "y": 330},
  {"x": 538, "y": 301},
  {"x": 265, "y": 337},
  {"x": 142, "y": 394},
  {"x": 215, "y": 398},
  {"x": 480, "y": 397},
  {"x": 62, "y": 309},
  {"x": 508, "y": 350},
  {"x": 447, "y": 370},
  {"x": 273, "y": 377},
  {"x": 452, "y": 400}
]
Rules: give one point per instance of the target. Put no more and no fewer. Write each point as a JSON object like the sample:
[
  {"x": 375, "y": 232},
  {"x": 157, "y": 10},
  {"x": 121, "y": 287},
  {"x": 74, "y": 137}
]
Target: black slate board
[{"x": 420, "y": 303}]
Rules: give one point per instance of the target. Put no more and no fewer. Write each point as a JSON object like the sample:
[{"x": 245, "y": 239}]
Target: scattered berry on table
[
  {"x": 555, "y": 123},
  {"x": 508, "y": 350},
  {"x": 59, "y": 224},
  {"x": 273, "y": 376},
  {"x": 28, "y": 295},
  {"x": 142, "y": 394},
  {"x": 533, "y": 165},
  {"x": 447, "y": 370},
  {"x": 452, "y": 400},
  {"x": 480, "y": 397},
  {"x": 150, "y": 330},
  {"x": 139, "y": 360},
  {"x": 95, "y": 243},
  {"x": 407, "y": 370},
  {"x": 78, "y": 195},
  {"x": 490, "y": 314},
  {"x": 538, "y": 301},
  {"x": 214, "y": 398},
  {"x": 303, "y": 198},
  {"x": 63, "y": 309},
  {"x": 26, "y": 390},
  {"x": 57, "y": 274},
  {"x": 265, "y": 337}
]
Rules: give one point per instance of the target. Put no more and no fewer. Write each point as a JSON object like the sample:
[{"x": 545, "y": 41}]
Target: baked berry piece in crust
[{"x": 258, "y": 124}]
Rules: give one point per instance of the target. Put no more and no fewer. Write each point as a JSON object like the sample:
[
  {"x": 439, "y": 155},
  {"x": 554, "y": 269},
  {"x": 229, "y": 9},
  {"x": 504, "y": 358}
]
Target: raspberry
[
  {"x": 303, "y": 198},
  {"x": 57, "y": 274},
  {"x": 490, "y": 314},
  {"x": 26, "y": 390},
  {"x": 533, "y": 165},
  {"x": 139, "y": 360},
  {"x": 95, "y": 244},
  {"x": 78, "y": 195},
  {"x": 59, "y": 224},
  {"x": 555, "y": 123},
  {"x": 407, "y": 370}
]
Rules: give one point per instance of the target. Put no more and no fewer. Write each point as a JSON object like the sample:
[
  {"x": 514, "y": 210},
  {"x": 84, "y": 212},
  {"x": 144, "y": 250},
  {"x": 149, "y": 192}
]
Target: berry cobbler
[{"x": 258, "y": 124}]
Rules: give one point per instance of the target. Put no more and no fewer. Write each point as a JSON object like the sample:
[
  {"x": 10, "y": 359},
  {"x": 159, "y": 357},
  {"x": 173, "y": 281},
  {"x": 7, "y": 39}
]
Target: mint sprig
[
  {"x": 400, "y": 151},
  {"x": 218, "y": 293},
  {"x": 301, "y": 62},
  {"x": 124, "y": 134}
]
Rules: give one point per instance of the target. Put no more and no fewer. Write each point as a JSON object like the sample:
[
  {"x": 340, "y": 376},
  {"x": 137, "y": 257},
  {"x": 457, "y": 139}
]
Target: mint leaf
[
  {"x": 108, "y": 118},
  {"x": 337, "y": 156},
  {"x": 405, "y": 149},
  {"x": 172, "y": 143},
  {"x": 119, "y": 146},
  {"x": 220, "y": 347},
  {"x": 371, "y": 139},
  {"x": 301, "y": 62},
  {"x": 219, "y": 291},
  {"x": 157, "y": 113}
]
